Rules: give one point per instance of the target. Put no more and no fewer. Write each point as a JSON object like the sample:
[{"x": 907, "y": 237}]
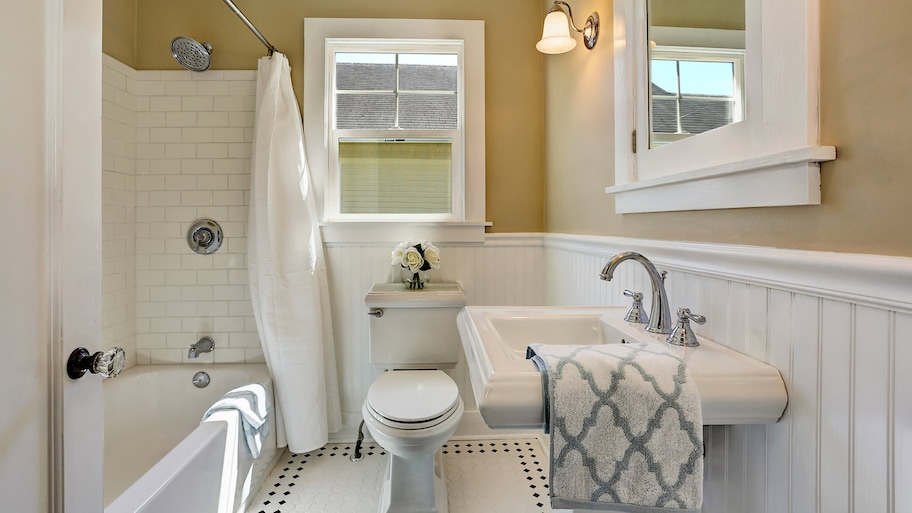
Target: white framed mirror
[{"x": 767, "y": 155}]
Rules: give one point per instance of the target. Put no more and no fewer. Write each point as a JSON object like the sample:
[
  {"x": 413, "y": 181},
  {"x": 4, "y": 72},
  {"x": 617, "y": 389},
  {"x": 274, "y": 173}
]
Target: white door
[{"x": 50, "y": 263}]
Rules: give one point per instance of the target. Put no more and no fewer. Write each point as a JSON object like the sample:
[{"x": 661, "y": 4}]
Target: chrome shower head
[{"x": 191, "y": 54}]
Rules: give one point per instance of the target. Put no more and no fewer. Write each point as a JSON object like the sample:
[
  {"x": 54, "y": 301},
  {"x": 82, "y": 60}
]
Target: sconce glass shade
[{"x": 556, "y": 34}]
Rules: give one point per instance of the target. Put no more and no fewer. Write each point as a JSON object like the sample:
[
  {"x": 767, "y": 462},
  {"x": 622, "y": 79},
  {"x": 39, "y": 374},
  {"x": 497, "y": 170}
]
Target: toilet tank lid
[{"x": 433, "y": 295}]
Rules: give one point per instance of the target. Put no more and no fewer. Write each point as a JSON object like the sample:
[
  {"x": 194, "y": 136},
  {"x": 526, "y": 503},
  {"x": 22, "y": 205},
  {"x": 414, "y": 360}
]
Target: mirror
[{"x": 696, "y": 58}]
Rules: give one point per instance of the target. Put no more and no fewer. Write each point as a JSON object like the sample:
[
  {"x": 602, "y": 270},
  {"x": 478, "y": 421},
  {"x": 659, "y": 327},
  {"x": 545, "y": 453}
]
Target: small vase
[{"x": 415, "y": 281}]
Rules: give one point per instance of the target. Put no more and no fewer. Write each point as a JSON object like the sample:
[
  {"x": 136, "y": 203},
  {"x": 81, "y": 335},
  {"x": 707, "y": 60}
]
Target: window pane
[
  {"x": 707, "y": 78},
  {"x": 427, "y": 72},
  {"x": 427, "y": 111},
  {"x": 664, "y": 75},
  {"x": 664, "y": 115},
  {"x": 365, "y": 71},
  {"x": 400, "y": 176},
  {"x": 354, "y": 111},
  {"x": 698, "y": 116}
]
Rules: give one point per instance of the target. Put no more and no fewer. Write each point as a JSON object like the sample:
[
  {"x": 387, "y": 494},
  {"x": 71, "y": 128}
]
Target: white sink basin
[{"x": 734, "y": 388}]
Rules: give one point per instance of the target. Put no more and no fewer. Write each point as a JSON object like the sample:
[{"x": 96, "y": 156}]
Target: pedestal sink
[{"x": 734, "y": 388}]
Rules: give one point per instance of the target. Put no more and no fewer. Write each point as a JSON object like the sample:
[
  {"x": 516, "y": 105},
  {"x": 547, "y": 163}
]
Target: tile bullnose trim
[{"x": 875, "y": 280}]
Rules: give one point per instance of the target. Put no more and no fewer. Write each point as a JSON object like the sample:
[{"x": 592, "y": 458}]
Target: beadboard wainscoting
[
  {"x": 504, "y": 270},
  {"x": 837, "y": 327}
]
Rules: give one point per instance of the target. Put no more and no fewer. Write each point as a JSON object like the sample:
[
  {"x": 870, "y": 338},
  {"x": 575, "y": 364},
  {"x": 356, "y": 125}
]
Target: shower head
[{"x": 191, "y": 54}]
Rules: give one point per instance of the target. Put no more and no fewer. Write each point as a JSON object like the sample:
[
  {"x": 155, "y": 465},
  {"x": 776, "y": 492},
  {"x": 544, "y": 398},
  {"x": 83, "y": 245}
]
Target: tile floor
[{"x": 483, "y": 476}]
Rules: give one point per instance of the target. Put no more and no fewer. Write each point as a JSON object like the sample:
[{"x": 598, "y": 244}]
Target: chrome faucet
[
  {"x": 659, "y": 314},
  {"x": 203, "y": 345}
]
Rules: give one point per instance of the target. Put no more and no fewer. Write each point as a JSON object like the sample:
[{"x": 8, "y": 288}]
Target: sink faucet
[
  {"x": 659, "y": 314},
  {"x": 203, "y": 345}
]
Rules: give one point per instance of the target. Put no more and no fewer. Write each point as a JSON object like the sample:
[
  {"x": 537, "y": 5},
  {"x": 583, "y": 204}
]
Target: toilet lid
[{"x": 412, "y": 396}]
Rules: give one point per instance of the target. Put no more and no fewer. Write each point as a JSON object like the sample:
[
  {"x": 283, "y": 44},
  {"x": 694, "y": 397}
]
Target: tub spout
[
  {"x": 659, "y": 314},
  {"x": 203, "y": 345}
]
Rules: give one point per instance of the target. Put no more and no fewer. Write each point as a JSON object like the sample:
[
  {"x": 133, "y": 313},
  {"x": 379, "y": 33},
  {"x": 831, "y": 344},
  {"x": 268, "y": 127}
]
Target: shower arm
[{"x": 253, "y": 29}]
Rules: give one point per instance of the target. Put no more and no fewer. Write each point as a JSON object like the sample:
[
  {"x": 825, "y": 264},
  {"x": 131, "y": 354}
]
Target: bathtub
[{"x": 158, "y": 457}]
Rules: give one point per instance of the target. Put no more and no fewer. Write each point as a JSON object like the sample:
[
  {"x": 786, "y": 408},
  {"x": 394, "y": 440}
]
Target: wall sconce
[{"x": 556, "y": 33}]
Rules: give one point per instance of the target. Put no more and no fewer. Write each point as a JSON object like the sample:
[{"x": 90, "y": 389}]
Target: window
[
  {"x": 694, "y": 90},
  {"x": 395, "y": 130},
  {"x": 328, "y": 143}
]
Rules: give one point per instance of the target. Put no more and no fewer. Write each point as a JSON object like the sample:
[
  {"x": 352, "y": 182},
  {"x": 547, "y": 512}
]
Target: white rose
[
  {"x": 412, "y": 260},
  {"x": 396, "y": 255},
  {"x": 432, "y": 255}
]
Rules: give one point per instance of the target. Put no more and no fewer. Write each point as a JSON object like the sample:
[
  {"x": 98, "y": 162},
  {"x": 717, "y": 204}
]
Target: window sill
[
  {"x": 783, "y": 179},
  {"x": 386, "y": 231}
]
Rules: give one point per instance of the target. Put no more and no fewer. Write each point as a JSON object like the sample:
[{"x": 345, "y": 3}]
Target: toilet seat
[{"x": 412, "y": 399}]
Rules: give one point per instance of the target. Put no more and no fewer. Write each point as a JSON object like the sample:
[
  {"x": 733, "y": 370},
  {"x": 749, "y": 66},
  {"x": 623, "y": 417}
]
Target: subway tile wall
[
  {"x": 191, "y": 138},
  {"x": 118, "y": 182}
]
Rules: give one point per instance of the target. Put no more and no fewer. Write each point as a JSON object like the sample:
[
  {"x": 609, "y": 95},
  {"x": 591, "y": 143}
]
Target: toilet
[{"x": 413, "y": 407}]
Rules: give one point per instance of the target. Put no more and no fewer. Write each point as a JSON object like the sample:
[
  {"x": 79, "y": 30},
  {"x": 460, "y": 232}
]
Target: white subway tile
[
  {"x": 228, "y": 324},
  {"x": 143, "y": 104},
  {"x": 196, "y": 293},
  {"x": 193, "y": 261},
  {"x": 164, "y": 103},
  {"x": 196, "y": 166},
  {"x": 229, "y": 198},
  {"x": 245, "y": 339},
  {"x": 185, "y": 215},
  {"x": 240, "y": 308},
  {"x": 164, "y": 198},
  {"x": 232, "y": 166},
  {"x": 150, "y": 278},
  {"x": 240, "y": 150},
  {"x": 208, "y": 75},
  {"x": 254, "y": 355},
  {"x": 196, "y": 198},
  {"x": 141, "y": 357},
  {"x": 212, "y": 88},
  {"x": 197, "y": 135},
  {"x": 165, "y": 262},
  {"x": 228, "y": 103},
  {"x": 111, "y": 77},
  {"x": 180, "y": 183},
  {"x": 175, "y": 75},
  {"x": 197, "y": 103},
  {"x": 180, "y": 277},
  {"x": 212, "y": 182},
  {"x": 229, "y": 135},
  {"x": 150, "y": 340},
  {"x": 164, "y": 135},
  {"x": 150, "y": 309},
  {"x": 212, "y": 150},
  {"x": 212, "y": 277},
  {"x": 212, "y": 308},
  {"x": 219, "y": 213},
  {"x": 164, "y": 293},
  {"x": 181, "y": 340},
  {"x": 180, "y": 150},
  {"x": 242, "y": 88},
  {"x": 213, "y": 119},
  {"x": 181, "y": 309},
  {"x": 150, "y": 214},
  {"x": 181, "y": 119},
  {"x": 165, "y": 356},
  {"x": 230, "y": 292},
  {"x": 180, "y": 88},
  {"x": 150, "y": 88},
  {"x": 241, "y": 119},
  {"x": 240, "y": 74},
  {"x": 150, "y": 151},
  {"x": 230, "y": 355}
]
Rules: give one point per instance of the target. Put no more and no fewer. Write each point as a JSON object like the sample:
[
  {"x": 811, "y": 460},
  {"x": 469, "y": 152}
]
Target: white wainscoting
[
  {"x": 835, "y": 325},
  {"x": 504, "y": 270}
]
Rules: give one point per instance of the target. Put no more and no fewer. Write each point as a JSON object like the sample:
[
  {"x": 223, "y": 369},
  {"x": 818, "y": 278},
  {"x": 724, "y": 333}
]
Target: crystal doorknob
[{"x": 107, "y": 363}]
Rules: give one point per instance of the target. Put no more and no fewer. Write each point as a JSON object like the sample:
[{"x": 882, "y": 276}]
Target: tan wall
[
  {"x": 119, "y": 30},
  {"x": 716, "y": 14},
  {"x": 866, "y": 205},
  {"x": 513, "y": 71}
]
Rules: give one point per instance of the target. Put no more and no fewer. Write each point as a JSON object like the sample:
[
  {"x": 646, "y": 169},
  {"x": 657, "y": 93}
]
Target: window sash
[{"x": 332, "y": 201}]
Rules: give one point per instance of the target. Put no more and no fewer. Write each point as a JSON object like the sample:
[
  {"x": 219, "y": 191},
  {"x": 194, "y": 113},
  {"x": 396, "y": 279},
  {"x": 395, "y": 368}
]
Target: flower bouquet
[{"x": 416, "y": 258}]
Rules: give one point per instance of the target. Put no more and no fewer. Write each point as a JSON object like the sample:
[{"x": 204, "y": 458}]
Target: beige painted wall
[
  {"x": 866, "y": 204},
  {"x": 119, "y": 30},
  {"x": 513, "y": 70},
  {"x": 716, "y": 14}
]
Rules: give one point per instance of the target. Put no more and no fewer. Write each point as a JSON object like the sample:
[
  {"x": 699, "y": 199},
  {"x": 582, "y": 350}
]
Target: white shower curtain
[{"x": 285, "y": 261}]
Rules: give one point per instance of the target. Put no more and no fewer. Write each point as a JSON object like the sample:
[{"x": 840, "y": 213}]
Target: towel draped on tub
[
  {"x": 253, "y": 406},
  {"x": 626, "y": 427}
]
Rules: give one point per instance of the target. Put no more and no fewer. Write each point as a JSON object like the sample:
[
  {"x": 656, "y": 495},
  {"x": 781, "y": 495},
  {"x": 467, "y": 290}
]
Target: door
[{"x": 50, "y": 263}]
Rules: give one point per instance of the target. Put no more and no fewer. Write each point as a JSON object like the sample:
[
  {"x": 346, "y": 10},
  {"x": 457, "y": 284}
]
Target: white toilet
[{"x": 414, "y": 407}]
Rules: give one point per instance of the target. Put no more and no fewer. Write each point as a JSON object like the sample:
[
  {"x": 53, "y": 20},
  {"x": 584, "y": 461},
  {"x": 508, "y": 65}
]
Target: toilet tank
[{"x": 417, "y": 329}]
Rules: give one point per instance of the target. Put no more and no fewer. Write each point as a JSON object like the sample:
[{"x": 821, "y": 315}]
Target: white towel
[
  {"x": 253, "y": 405},
  {"x": 626, "y": 428}
]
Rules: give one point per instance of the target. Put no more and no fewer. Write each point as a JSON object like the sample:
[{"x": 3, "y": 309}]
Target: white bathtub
[{"x": 156, "y": 450}]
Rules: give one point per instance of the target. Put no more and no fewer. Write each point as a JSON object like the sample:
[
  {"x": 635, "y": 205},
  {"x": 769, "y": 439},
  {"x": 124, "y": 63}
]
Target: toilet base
[{"x": 414, "y": 485}]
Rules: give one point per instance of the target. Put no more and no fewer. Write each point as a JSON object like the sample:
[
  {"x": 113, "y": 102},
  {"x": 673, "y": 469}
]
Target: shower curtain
[{"x": 285, "y": 261}]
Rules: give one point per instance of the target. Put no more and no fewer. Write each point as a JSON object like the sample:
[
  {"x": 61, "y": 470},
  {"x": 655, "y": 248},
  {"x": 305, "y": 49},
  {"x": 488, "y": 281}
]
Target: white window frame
[
  {"x": 317, "y": 141},
  {"x": 333, "y": 190},
  {"x": 733, "y": 56}
]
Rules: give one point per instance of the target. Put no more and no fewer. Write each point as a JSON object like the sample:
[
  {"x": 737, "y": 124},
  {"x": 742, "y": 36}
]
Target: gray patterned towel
[{"x": 626, "y": 428}]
